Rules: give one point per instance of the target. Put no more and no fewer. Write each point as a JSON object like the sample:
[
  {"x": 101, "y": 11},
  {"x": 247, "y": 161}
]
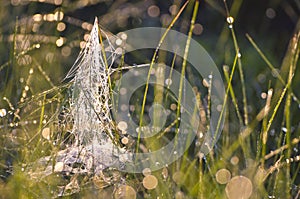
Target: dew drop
[
  {"x": 168, "y": 82},
  {"x": 198, "y": 29},
  {"x": 3, "y": 112},
  {"x": 165, "y": 173},
  {"x": 58, "y": 15},
  {"x": 234, "y": 160},
  {"x": 37, "y": 17},
  {"x": 124, "y": 36},
  {"x": 173, "y": 106},
  {"x": 173, "y": 9},
  {"x": 239, "y": 187},
  {"x": 146, "y": 171},
  {"x": 223, "y": 176},
  {"x": 122, "y": 125},
  {"x": 124, "y": 140},
  {"x": 61, "y": 26},
  {"x": 230, "y": 20},
  {"x": 284, "y": 129},
  {"x": 119, "y": 42},
  {"x": 59, "y": 42},
  {"x": 46, "y": 133},
  {"x": 263, "y": 95},
  {"x": 150, "y": 182},
  {"x": 153, "y": 11}
]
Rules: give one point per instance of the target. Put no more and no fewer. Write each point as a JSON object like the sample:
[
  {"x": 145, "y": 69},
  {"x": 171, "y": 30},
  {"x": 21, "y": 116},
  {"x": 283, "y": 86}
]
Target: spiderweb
[{"x": 95, "y": 145}]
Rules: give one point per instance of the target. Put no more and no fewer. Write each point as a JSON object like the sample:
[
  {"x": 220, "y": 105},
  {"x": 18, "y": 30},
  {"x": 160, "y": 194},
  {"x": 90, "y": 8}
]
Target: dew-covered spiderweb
[
  {"x": 90, "y": 104},
  {"x": 95, "y": 146}
]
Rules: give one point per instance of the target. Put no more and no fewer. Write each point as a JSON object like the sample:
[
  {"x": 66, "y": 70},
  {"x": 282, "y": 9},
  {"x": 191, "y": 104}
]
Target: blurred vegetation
[{"x": 40, "y": 41}]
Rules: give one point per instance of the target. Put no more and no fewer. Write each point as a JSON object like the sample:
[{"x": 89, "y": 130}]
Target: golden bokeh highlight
[
  {"x": 234, "y": 160},
  {"x": 46, "y": 133},
  {"x": 153, "y": 11},
  {"x": 146, "y": 171},
  {"x": 61, "y": 26},
  {"x": 239, "y": 187},
  {"x": 223, "y": 176},
  {"x": 150, "y": 182}
]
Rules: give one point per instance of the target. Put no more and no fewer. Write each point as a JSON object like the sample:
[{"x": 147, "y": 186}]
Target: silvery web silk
[
  {"x": 90, "y": 100},
  {"x": 93, "y": 149}
]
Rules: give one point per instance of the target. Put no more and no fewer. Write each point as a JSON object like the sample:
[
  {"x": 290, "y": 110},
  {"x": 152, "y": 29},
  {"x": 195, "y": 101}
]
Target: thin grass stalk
[
  {"x": 237, "y": 51},
  {"x": 233, "y": 97},
  {"x": 150, "y": 69},
  {"x": 186, "y": 52}
]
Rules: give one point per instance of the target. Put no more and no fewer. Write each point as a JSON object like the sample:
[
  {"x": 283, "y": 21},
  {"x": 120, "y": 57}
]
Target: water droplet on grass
[
  {"x": 119, "y": 42},
  {"x": 263, "y": 95},
  {"x": 284, "y": 129},
  {"x": 234, "y": 160},
  {"x": 2, "y": 112},
  {"x": 150, "y": 182},
  {"x": 146, "y": 171},
  {"x": 124, "y": 140},
  {"x": 46, "y": 133},
  {"x": 223, "y": 176},
  {"x": 230, "y": 20},
  {"x": 122, "y": 125},
  {"x": 165, "y": 173},
  {"x": 168, "y": 82},
  {"x": 239, "y": 187}
]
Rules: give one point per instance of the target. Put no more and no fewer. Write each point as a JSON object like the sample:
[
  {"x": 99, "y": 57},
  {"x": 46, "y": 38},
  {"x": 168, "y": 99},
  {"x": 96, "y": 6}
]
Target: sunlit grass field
[{"x": 256, "y": 155}]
